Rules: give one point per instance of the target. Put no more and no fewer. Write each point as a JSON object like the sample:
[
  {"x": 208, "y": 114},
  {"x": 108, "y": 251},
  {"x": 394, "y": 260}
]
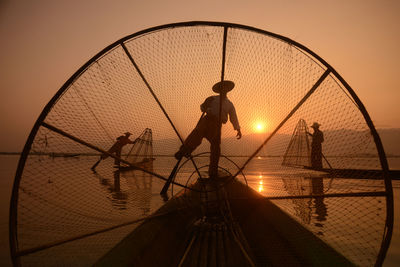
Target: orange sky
[{"x": 44, "y": 42}]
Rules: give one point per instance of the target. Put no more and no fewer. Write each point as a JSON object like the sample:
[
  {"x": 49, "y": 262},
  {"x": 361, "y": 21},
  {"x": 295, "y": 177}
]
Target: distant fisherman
[
  {"x": 208, "y": 126},
  {"x": 116, "y": 148},
  {"x": 316, "y": 147}
]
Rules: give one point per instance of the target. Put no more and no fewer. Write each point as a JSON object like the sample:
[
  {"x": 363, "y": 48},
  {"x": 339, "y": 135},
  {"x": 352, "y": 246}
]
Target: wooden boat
[{"x": 217, "y": 228}]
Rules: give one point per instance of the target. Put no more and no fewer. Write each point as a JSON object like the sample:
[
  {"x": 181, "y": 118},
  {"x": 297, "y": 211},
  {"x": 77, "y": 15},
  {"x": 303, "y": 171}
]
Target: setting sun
[{"x": 259, "y": 127}]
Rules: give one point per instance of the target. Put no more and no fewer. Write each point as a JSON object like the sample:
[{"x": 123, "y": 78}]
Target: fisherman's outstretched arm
[{"x": 235, "y": 122}]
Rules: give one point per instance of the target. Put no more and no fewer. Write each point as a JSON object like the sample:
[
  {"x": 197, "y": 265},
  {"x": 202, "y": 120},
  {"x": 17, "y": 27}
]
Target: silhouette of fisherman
[
  {"x": 116, "y": 148},
  {"x": 208, "y": 126},
  {"x": 316, "y": 146}
]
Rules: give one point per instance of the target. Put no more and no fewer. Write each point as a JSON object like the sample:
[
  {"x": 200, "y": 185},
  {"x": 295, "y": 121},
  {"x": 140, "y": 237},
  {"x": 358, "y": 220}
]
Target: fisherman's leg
[
  {"x": 316, "y": 158},
  {"x": 215, "y": 147},
  {"x": 104, "y": 156},
  {"x": 118, "y": 154},
  {"x": 192, "y": 141},
  {"x": 190, "y": 144},
  {"x": 312, "y": 159},
  {"x": 319, "y": 162},
  {"x": 214, "y": 158}
]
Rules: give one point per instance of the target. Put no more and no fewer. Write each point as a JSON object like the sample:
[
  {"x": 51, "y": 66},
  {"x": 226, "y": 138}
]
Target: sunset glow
[
  {"x": 260, "y": 186},
  {"x": 259, "y": 127}
]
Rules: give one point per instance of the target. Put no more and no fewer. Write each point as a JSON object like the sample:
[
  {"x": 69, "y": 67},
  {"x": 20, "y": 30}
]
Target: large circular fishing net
[{"x": 151, "y": 84}]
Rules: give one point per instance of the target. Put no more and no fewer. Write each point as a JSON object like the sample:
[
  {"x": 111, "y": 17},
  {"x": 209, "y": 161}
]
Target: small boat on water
[{"x": 280, "y": 199}]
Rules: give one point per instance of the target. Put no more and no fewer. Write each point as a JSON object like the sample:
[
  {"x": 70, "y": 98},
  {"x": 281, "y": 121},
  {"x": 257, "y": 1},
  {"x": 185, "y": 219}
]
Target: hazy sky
[{"x": 43, "y": 42}]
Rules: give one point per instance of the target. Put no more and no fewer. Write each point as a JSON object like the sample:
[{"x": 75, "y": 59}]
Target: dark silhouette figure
[
  {"x": 116, "y": 148},
  {"x": 316, "y": 147},
  {"x": 208, "y": 126}
]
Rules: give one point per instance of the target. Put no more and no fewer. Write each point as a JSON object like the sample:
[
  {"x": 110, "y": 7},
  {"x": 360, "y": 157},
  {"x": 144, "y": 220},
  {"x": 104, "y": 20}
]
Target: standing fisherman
[
  {"x": 316, "y": 147},
  {"x": 208, "y": 127},
  {"x": 116, "y": 148}
]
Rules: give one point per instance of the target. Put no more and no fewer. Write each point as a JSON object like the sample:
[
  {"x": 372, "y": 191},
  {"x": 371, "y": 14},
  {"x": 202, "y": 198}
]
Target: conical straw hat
[{"x": 223, "y": 86}]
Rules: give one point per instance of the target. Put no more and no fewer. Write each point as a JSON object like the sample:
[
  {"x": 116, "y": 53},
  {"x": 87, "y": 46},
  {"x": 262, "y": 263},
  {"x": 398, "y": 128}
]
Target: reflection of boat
[{"x": 216, "y": 228}]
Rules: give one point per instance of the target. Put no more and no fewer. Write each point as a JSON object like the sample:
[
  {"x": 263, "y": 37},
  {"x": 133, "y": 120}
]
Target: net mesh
[
  {"x": 68, "y": 213},
  {"x": 141, "y": 151},
  {"x": 298, "y": 152}
]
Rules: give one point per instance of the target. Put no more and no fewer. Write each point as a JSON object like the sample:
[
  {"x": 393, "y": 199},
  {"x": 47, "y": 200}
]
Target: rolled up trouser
[{"x": 206, "y": 128}]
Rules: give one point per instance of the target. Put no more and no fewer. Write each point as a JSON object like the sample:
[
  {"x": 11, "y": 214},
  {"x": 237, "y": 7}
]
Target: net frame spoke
[{"x": 156, "y": 99}]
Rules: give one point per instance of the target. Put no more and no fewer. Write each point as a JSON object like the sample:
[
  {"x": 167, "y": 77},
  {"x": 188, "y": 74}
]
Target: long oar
[
  {"x": 326, "y": 161},
  {"x": 170, "y": 178},
  {"x": 174, "y": 170}
]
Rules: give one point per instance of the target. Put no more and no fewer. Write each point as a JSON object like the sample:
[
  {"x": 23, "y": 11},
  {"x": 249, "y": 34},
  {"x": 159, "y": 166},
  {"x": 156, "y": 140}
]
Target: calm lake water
[{"x": 257, "y": 180}]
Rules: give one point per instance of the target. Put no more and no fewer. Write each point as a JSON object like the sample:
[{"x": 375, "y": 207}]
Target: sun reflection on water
[{"x": 260, "y": 184}]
